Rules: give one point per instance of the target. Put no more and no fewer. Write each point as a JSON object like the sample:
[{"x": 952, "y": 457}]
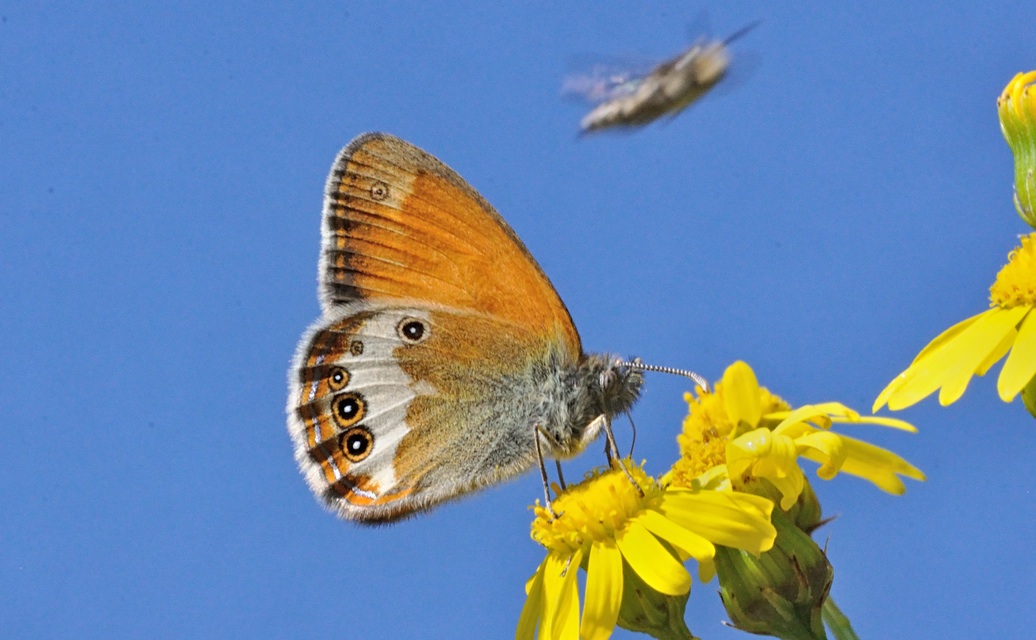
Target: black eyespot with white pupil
[
  {"x": 338, "y": 378},
  {"x": 348, "y": 409},
  {"x": 412, "y": 330},
  {"x": 356, "y": 444}
]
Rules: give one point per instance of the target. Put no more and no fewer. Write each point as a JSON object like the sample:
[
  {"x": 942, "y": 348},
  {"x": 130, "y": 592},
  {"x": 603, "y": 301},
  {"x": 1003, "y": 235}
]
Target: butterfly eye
[
  {"x": 348, "y": 409},
  {"x": 356, "y": 443},
  {"x": 412, "y": 330},
  {"x": 338, "y": 379}
]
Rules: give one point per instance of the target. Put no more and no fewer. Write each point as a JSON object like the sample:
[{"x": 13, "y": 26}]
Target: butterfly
[
  {"x": 628, "y": 98},
  {"x": 444, "y": 359}
]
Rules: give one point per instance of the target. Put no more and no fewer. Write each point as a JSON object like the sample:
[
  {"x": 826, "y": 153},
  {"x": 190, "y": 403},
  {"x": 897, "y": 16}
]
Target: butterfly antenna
[
  {"x": 741, "y": 32},
  {"x": 640, "y": 366}
]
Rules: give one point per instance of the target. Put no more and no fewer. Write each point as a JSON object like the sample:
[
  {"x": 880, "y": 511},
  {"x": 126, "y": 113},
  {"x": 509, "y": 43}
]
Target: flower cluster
[
  {"x": 620, "y": 521},
  {"x": 738, "y": 500},
  {"x": 740, "y": 450},
  {"x": 741, "y": 433},
  {"x": 971, "y": 347}
]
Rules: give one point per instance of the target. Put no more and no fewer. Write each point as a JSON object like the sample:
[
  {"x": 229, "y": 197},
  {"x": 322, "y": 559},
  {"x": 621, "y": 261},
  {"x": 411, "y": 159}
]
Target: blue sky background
[{"x": 845, "y": 199}]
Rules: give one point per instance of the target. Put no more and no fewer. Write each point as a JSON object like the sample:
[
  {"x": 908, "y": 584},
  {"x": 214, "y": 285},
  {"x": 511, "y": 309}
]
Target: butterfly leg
[
  {"x": 612, "y": 452},
  {"x": 561, "y": 476},
  {"x": 543, "y": 471}
]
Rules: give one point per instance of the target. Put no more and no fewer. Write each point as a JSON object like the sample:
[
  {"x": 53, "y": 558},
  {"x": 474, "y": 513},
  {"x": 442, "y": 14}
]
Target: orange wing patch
[
  {"x": 402, "y": 226},
  {"x": 461, "y": 415}
]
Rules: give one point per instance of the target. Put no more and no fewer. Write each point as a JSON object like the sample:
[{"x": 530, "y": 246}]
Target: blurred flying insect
[{"x": 629, "y": 99}]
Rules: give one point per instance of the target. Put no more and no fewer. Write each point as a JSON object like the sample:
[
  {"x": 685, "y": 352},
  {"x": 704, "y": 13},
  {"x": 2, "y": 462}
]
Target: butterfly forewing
[{"x": 402, "y": 226}]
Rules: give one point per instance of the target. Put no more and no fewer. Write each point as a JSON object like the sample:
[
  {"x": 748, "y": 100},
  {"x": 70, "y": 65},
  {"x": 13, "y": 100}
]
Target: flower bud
[
  {"x": 1017, "y": 109},
  {"x": 644, "y": 610},
  {"x": 781, "y": 592}
]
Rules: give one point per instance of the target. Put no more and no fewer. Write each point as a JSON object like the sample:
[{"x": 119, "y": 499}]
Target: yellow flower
[
  {"x": 974, "y": 345},
  {"x": 740, "y": 433},
  {"x": 1017, "y": 110},
  {"x": 608, "y": 525},
  {"x": 741, "y": 437}
]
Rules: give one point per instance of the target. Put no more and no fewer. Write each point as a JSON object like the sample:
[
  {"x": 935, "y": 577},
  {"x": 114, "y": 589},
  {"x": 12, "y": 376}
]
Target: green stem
[
  {"x": 837, "y": 622},
  {"x": 675, "y": 632}
]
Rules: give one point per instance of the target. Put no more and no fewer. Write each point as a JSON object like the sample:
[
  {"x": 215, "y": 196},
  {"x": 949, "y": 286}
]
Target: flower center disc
[
  {"x": 594, "y": 509},
  {"x": 1016, "y": 283}
]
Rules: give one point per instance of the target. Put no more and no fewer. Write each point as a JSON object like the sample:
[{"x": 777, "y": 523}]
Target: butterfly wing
[
  {"x": 394, "y": 409},
  {"x": 399, "y": 225},
  {"x": 601, "y": 84},
  {"x": 421, "y": 381}
]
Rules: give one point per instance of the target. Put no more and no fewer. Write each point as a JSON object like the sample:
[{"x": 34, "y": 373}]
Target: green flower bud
[
  {"x": 644, "y": 610},
  {"x": 781, "y": 592},
  {"x": 1017, "y": 109}
]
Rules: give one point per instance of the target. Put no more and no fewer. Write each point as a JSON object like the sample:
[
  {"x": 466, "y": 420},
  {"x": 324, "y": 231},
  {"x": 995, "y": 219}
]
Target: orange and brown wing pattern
[{"x": 400, "y": 226}]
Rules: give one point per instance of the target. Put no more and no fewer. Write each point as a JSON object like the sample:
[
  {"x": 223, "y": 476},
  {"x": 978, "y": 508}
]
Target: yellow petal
[
  {"x": 932, "y": 346},
  {"x": 706, "y": 570},
  {"x": 798, "y": 417},
  {"x": 902, "y": 425},
  {"x": 831, "y": 445},
  {"x": 768, "y": 454},
  {"x": 889, "y": 389},
  {"x": 1021, "y": 364},
  {"x": 603, "y": 591},
  {"x": 652, "y": 562},
  {"x": 837, "y": 409},
  {"x": 838, "y": 412},
  {"x": 828, "y": 408},
  {"x": 870, "y": 462},
  {"x": 755, "y": 444},
  {"x": 553, "y": 566},
  {"x": 554, "y": 574},
  {"x": 789, "y": 484},
  {"x": 966, "y": 355},
  {"x": 688, "y": 543},
  {"x": 741, "y": 394},
  {"x": 532, "y": 610},
  {"x": 715, "y": 479},
  {"x": 566, "y": 619},
  {"x": 729, "y": 518},
  {"x": 948, "y": 335},
  {"x": 996, "y": 354},
  {"x": 963, "y": 353}
]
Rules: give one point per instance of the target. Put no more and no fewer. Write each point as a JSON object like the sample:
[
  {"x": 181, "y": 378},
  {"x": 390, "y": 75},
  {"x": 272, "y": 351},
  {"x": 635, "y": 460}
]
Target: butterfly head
[
  {"x": 598, "y": 388},
  {"x": 618, "y": 382}
]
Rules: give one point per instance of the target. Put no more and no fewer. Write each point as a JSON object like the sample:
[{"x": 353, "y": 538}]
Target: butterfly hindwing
[{"x": 386, "y": 396}]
